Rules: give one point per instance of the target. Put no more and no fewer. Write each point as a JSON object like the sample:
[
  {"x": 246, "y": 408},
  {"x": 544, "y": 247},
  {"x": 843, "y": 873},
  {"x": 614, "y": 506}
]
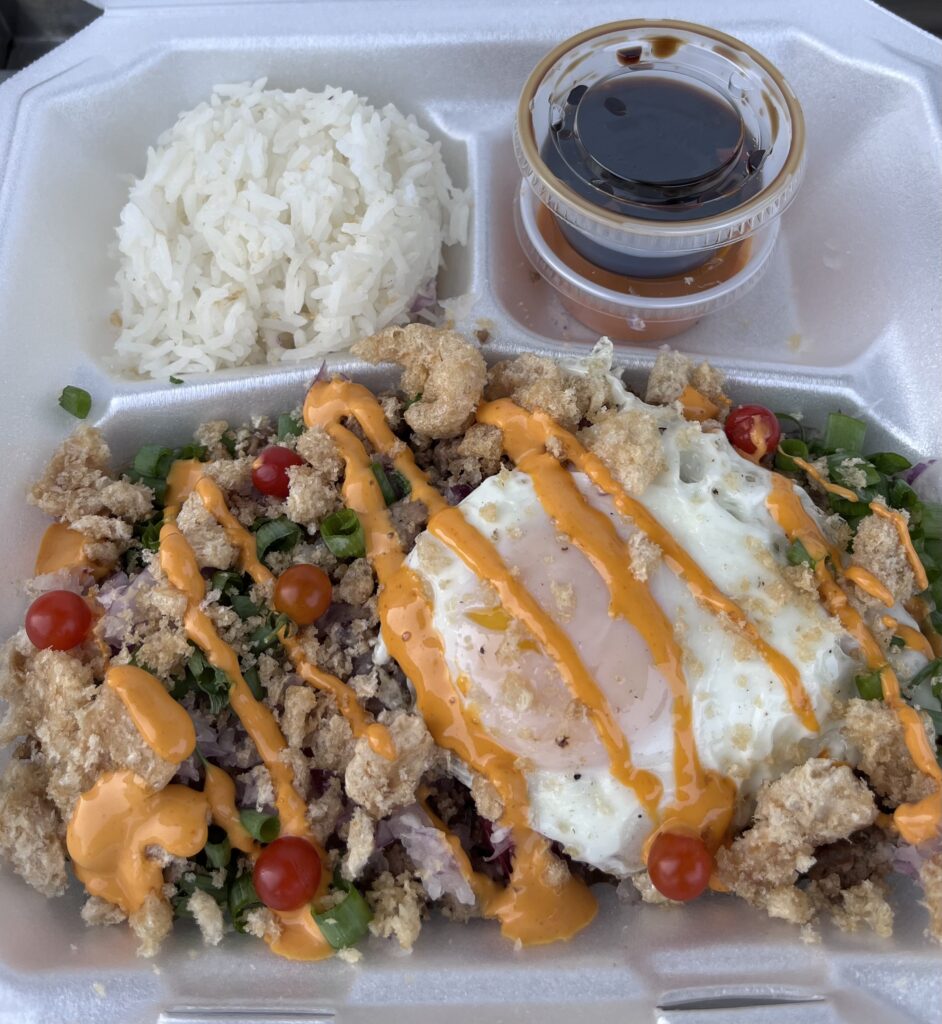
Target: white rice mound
[{"x": 275, "y": 226}]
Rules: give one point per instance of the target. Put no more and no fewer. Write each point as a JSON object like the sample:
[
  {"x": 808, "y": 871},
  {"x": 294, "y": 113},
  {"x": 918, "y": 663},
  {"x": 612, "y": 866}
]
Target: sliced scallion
[
  {"x": 76, "y": 401},
  {"x": 929, "y": 673},
  {"x": 153, "y": 460},
  {"x": 869, "y": 686},
  {"x": 900, "y": 495},
  {"x": 275, "y": 535},
  {"x": 343, "y": 534},
  {"x": 266, "y": 636},
  {"x": 346, "y": 923},
  {"x": 788, "y": 449},
  {"x": 931, "y": 520},
  {"x": 890, "y": 462},
  {"x": 175, "y": 380},
  {"x": 289, "y": 426},
  {"x": 897, "y": 642},
  {"x": 263, "y": 827},
  {"x": 392, "y": 483},
  {"x": 786, "y": 417},
  {"x": 244, "y": 606},
  {"x": 844, "y": 433},
  {"x": 797, "y": 554},
  {"x": 242, "y": 899},
  {"x": 254, "y": 682},
  {"x": 847, "y": 470},
  {"x": 217, "y": 849}
]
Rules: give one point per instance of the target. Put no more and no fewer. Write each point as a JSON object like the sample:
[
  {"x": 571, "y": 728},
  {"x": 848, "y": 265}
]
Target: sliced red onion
[
  {"x": 928, "y": 483},
  {"x": 118, "y": 596},
  {"x": 434, "y": 861},
  {"x": 916, "y": 471},
  {"x": 425, "y": 298},
  {"x": 456, "y": 493},
  {"x": 908, "y": 860}
]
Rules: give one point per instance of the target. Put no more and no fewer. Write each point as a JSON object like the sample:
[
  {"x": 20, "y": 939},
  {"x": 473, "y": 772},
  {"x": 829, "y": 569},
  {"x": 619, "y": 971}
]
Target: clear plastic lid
[{"x": 723, "y": 136}]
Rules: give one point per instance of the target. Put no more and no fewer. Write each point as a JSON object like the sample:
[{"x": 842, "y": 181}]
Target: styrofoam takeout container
[{"x": 848, "y": 315}]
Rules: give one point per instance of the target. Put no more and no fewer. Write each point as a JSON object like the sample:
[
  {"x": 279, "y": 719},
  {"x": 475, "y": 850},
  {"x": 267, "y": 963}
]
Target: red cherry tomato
[
  {"x": 679, "y": 865},
  {"x": 287, "y": 873},
  {"x": 753, "y": 430},
  {"x": 304, "y": 593},
  {"x": 270, "y": 470},
  {"x": 58, "y": 619}
]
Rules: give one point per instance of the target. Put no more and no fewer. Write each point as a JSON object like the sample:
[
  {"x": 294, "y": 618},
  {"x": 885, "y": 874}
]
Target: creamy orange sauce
[
  {"x": 912, "y": 638},
  {"x": 62, "y": 547},
  {"x": 220, "y": 793},
  {"x": 113, "y": 824},
  {"x": 540, "y": 428},
  {"x": 902, "y": 530},
  {"x": 919, "y": 821},
  {"x": 919, "y": 610},
  {"x": 869, "y": 584},
  {"x": 697, "y": 406},
  {"x": 164, "y": 724},
  {"x": 822, "y": 481}
]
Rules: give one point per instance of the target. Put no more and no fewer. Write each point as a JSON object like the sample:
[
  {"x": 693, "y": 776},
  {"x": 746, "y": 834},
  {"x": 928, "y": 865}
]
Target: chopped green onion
[
  {"x": 76, "y": 401},
  {"x": 191, "y": 451},
  {"x": 254, "y": 683},
  {"x": 346, "y": 923},
  {"x": 244, "y": 606},
  {"x": 897, "y": 641},
  {"x": 149, "y": 532},
  {"x": 242, "y": 899},
  {"x": 217, "y": 849},
  {"x": 153, "y": 460},
  {"x": 393, "y": 484},
  {"x": 228, "y": 442},
  {"x": 227, "y": 583},
  {"x": 850, "y": 510},
  {"x": 187, "y": 885},
  {"x": 843, "y": 469},
  {"x": 175, "y": 380},
  {"x": 264, "y": 827},
  {"x": 931, "y": 520},
  {"x": 797, "y": 554},
  {"x": 869, "y": 686},
  {"x": 343, "y": 534},
  {"x": 900, "y": 495},
  {"x": 289, "y": 426},
  {"x": 844, "y": 433},
  {"x": 275, "y": 535},
  {"x": 784, "y": 457},
  {"x": 929, "y": 673},
  {"x": 890, "y": 462},
  {"x": 201, "y": 677}
]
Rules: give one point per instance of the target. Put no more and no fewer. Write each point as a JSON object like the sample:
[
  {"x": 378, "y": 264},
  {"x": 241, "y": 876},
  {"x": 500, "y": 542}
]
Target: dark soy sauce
[{"x": 647, "y": 144}]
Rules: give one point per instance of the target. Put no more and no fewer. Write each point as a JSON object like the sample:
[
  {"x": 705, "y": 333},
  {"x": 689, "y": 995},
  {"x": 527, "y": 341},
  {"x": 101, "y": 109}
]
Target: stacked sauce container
[{"x": 657, "y": 158}]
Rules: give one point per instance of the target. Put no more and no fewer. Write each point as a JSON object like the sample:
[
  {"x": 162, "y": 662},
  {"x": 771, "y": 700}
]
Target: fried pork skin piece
[
  {"x": 874, "y": 730},
  {"x": 816, "y": 803},
  {"x": 441, "y": 370},
  {"x": 538, "y": 384}
]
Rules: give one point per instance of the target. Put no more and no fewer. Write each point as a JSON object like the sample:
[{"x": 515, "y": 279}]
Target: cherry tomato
[
  {"x": 287, "y": 873},
  {"x": 58, "y": 619},
  {"x": 753, "y": 429},
  {"x": 679, "y": 865},
  {"x": 304, "y": 593},
  {"x": 270, "y": 470}
]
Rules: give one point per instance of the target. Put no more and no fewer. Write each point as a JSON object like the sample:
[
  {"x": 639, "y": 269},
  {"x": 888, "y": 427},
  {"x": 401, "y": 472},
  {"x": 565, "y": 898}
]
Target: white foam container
[{"x": 849, "y": 315}]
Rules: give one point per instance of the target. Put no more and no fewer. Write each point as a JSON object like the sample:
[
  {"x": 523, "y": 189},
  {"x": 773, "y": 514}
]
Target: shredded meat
[{"x": 443, "y": 373}]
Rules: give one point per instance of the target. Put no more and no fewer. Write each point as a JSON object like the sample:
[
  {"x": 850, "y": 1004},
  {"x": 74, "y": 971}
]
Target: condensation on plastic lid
[
  {"x": 751, "y": 76},
  {"x": 588, "y": 293}
]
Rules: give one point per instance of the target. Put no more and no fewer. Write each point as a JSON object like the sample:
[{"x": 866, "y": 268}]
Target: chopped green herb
[
  {"x": 788, "y": 450},
  {"x": 391, "y": 482},
  {"x": 844, "y": 433},
  {"x": 890, "y": 462},
  {"x": 153, "y": 461},
  {"x": 787, "y": 417},
  {"x": 76, "y": 401},
  {"x": 343, "y": 534},
  {"x": 797, "y": 554},
  {"x": 266, "y": 636},
  {"x": 931, "y": 673},
  {"x": 275, "y": 535},
  {"x": 202, "y": 678},
  {"x": 346, "y": 923},
  {"x": 227, "y": 583},
  {"x": 254, "y": 683},
  {"x": 228, "y": 442},
  {"x": 869, "y": 686},
  {"x": 289, "y": 426},
  {"x": 930, "y": 520},
  {"x": 242, "y": 899},
  {"x": 188, "y": 884},
  {"x": 264, "y": 827},
  {"x": 217, "y": 849},
  {"x": 176, "y": 380},
  {"x": 897, "y": 642},
  {"x": 846, "y": 470},
  {"x": 244, "y": 606},
  {"x": 900, "y": 495}
]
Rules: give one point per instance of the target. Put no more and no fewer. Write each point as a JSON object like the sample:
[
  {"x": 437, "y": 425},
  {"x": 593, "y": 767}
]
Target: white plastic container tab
[{"x": 847, "y": 315}]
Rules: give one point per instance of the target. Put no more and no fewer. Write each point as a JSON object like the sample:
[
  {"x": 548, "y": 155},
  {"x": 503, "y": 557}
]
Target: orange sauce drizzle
[
  {"x": 869, "y": 584},
  {"x": 902, "y": 530},
  {"x": 113, "y": 824},
  {"x": 822, "y": 481},
  {"x": 919, "y": 821},
  {"x": 540, "y": 428},
  {"x": 919, "y": 610},
  {"x": 912, "y": 638},
  {"x": 696, "y": 405},
  {"x": 530, "y": 909},
  {"x": 220, "y": 793},
  {"x": 62, "y": 547},
  {"x": 164, "y": 724}
]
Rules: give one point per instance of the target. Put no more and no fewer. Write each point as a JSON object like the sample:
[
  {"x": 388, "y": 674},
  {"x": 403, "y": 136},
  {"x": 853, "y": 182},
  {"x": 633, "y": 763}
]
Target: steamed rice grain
[{"x": 275, "y": 226}]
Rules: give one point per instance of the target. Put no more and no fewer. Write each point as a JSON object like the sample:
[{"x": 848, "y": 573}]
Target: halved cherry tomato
[
  {"x": 270, "y": 470},
  {"x": 679, "y": 865},
  {"x": 753, "y": 430},
  {"x": 303, "y": 592},
  {"x": 58, "y": 619},
  {"x": 287, "y": 873}
]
